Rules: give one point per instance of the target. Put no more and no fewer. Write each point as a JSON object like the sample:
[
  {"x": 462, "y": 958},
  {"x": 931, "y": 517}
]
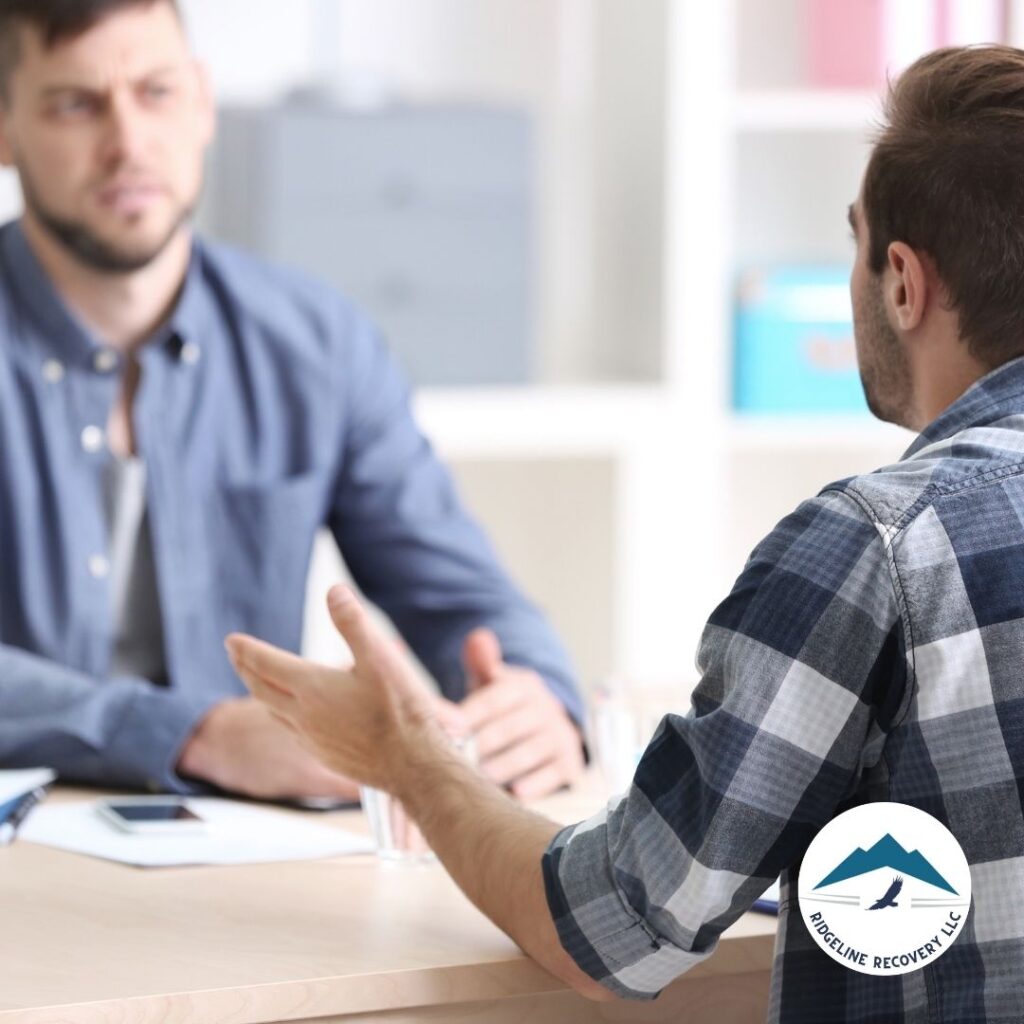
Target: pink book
[
  {"x": 855, "y": 44},
  {"x": 845, "y": 43}
]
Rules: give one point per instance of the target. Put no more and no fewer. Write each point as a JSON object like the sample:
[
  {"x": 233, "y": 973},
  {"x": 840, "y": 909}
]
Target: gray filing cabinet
[{"x": 421, "y": 215}]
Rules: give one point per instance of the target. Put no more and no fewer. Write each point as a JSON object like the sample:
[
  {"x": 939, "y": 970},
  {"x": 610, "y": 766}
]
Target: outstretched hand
[{"x": 361, "y": 722}]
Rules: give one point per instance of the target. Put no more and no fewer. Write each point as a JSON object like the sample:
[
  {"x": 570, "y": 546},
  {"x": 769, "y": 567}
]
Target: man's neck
[
  {"x": 121, "y": 309},
  {"x": 942, "y": 368}
]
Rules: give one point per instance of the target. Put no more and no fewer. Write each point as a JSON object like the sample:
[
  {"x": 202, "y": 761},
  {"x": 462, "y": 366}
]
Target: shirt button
[
  {"x": 53, "y": 371},
  {"x": 99, "y": 567},
  {"x": 190, "y": 353},
  {"x": 92, "y": 438},
  {"x": 105, "y": 360}
]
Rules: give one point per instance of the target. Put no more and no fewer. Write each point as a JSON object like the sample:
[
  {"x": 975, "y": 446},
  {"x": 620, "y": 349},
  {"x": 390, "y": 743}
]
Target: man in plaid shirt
[{"x": 871, "y": 649}]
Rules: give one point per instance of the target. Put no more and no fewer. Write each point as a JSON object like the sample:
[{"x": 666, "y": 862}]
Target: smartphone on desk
[{"x": 151, "y": 815}]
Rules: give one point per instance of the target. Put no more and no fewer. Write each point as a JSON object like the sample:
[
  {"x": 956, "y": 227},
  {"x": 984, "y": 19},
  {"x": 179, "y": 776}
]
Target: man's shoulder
[
  {"x": 888, "y": 495},
  {"x": 960, "y": 469},
  {"x": 281, "y": 302},
  {"x": 243, "y": 268}
]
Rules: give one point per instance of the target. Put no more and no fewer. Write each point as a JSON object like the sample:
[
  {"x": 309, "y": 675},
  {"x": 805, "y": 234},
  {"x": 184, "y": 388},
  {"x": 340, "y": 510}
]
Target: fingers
[
  {"x": 481, "y": 657},
  {"x": 494, "y": 701},
  {"x": 520, "y": 759},
  {"x": 280, "y": 702},
  {"x": 524, "y": 738},
  {"x": 505, "y": 730},
  {"x": 282, "y": 720},
  {"x": 352, "y": 622},
  {"x": 379, "y": 662},
  {"x": 542, "y": 781},
  {"x": 274, "y": 666},
  {"x": 325, "y": 783}
]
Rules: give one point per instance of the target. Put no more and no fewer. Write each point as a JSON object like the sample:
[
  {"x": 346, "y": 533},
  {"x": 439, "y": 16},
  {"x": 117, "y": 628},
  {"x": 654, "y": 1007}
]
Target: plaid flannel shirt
[{"x": 870, "y": 650}]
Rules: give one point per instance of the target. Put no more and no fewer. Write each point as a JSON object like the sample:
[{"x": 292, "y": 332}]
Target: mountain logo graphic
[
  {"x": 884, "y": 888},
  {"x": 886, "y": 853}
]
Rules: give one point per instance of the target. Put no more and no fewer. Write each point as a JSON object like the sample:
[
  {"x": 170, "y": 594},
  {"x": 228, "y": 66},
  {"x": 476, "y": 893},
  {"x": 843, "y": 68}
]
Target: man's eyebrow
[
  {"x": 163, "y": 69},
  {"x": 58, "y": 87},
  {"x": 92, "y": 87}
]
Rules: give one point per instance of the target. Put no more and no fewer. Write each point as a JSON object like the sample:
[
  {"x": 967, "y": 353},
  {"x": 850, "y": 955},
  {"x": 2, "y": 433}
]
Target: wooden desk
[{"x": 342, "y": 941}]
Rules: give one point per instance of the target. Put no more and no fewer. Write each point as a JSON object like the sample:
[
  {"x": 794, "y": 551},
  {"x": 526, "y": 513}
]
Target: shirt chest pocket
[{"x": 262, "y": 538}]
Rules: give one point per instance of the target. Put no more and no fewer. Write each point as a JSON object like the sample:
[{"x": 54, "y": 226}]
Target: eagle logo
[{"x": 889, "y": 899}]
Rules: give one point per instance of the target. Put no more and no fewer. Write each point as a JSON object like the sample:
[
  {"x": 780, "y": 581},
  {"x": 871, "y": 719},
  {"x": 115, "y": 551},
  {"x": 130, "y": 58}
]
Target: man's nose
[{"x": 125, "y": 129}]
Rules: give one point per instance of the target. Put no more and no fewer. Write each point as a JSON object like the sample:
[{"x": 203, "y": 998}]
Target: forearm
[
  {"x": 492, "y": 848},
  {"x": 122, "y": 731}
]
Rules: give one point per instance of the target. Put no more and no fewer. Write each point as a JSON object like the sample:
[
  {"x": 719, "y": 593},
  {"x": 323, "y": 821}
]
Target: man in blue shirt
[{"x": 176, "y": 422}]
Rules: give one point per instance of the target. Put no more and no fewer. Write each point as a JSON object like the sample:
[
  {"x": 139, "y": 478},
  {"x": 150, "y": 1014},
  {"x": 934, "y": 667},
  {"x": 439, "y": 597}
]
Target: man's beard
[
  {"x": 86, "y": 247},
  {"x": 884, "y": 367}
]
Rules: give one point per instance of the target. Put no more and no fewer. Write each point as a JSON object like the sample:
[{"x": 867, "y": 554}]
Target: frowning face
[{"x": 107, "y": 132}]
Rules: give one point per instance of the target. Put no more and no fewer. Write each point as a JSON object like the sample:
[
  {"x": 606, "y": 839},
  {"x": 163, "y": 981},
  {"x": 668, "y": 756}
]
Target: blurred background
[{"x": 608, "y": 241}]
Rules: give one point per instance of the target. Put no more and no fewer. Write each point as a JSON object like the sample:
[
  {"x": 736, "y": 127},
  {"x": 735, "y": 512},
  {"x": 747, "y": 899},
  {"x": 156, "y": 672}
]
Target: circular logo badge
[{"x": 885, "y": 889}]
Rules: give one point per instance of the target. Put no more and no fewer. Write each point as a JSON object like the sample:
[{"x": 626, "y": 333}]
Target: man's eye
[
  {"x": 156, "y": 91},
  {"x": 73, "y": 104}
]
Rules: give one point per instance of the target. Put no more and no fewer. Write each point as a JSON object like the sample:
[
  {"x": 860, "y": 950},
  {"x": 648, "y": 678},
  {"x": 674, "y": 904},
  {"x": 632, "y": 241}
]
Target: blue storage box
[{"x": 795, "y": 351}]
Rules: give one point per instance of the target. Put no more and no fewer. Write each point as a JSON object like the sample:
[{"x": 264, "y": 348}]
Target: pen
[{"x": 9, "y": 827}]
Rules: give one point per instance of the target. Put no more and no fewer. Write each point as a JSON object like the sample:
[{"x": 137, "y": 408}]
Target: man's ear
[{"x": 907, "y": 287}]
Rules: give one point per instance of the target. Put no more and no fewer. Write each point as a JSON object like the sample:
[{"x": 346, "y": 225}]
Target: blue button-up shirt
[
  {"x": 267, "y": 408},
  {"x": 871, "y": 650}
]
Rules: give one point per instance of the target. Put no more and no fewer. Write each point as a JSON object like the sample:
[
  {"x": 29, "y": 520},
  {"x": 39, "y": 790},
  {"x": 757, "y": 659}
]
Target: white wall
[{"x": 256, "y": 49}]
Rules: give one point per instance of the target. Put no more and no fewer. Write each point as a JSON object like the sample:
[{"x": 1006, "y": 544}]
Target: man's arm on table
[
  {"x": 803, "y": 672},
  {"x": 123, "y": 731},
  {"x": 417, "y": 554},
  {"x": 127, "y": 731}
]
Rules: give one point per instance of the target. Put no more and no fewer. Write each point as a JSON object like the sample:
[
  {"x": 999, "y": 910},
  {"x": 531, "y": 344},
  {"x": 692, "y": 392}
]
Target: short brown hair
[
  {"x": 946, "y": 177},
  {"x": 56, "y": 20}
]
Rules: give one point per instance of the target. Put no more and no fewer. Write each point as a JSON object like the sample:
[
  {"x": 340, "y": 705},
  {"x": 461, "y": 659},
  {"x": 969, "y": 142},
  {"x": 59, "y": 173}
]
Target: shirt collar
[
  {"x": 62, "y": 330},
  {"x": 1000, "y": 393}
]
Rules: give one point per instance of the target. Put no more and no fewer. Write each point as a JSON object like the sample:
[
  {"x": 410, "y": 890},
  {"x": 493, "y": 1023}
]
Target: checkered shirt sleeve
[{"x": 800, "y": 665}]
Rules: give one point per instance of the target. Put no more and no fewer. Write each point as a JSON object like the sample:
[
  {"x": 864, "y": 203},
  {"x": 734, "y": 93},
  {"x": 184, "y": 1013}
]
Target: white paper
[
  {"x": 236, "y": 833},
  {"x": 23, "y": 780}
]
